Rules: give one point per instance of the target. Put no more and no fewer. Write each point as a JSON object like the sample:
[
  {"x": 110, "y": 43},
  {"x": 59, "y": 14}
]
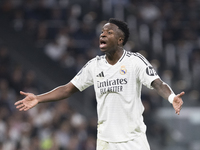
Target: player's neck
[{"x": 113, "y": 57}]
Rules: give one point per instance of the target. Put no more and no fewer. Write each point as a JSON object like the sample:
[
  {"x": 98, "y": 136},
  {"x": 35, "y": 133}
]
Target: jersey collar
[{"x": 121, "y": 58}]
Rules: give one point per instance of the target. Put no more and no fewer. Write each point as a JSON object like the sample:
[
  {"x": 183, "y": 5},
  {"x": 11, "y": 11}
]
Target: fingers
[
  {"x": 23, "y": 108},
  {"x": 19, "y": 106},
  {"x": 178, "y": 107},
  {"x": 18, "y": 102},
  {"x": 178, "y": 111},
  {"x": 21, "y": 101},
  {"x": 23, "y": 93},
  {"x": 181, "y": 94},
  {"x": 178, "y": 103}
]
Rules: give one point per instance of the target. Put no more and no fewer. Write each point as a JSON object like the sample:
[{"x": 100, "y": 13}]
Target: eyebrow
[{"x": 106, "y": 29}]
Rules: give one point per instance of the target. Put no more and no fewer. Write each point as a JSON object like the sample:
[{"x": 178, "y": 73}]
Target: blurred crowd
[
  {"x": 50, "y": 126},
  {"x": 166, "y": 32}
]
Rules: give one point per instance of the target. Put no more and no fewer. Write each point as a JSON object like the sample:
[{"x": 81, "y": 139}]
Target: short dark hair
[{"x": 122, "y": 26}]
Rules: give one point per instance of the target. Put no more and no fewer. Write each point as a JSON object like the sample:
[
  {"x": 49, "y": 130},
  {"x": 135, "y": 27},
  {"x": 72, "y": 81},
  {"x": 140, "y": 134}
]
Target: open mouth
[{"x": 102, "y": 44}]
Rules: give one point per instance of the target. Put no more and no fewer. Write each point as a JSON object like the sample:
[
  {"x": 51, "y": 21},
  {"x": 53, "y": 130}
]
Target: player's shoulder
[
  {"x": 134, "y": 55},
  {"x": 129, "y": 53},
  {"x": 95, "y": 60},
  {"x": 137, "y": 57},
  {"x": 90, "y": 62},
  {"x": 100, "y": 57}
]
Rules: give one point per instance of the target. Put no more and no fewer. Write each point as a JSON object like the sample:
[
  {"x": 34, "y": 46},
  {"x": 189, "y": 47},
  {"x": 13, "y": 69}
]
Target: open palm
[
  {"x": 27, "y": 103},
  {"x": 178, "y": 102}
]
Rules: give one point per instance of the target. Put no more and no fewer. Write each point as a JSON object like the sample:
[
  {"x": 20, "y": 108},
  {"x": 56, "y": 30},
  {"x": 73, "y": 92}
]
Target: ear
[{"x": 120, "y": 41}]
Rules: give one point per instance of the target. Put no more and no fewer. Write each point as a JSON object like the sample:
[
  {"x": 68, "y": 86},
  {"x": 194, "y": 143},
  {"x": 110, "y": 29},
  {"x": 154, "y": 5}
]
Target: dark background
[{"x": 44, "y": 43}]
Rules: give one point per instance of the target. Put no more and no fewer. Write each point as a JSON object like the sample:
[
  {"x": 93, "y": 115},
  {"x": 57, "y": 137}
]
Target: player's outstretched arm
[
  {"x": 58, "y": 93},
  {"x": 166, "y": 92}
]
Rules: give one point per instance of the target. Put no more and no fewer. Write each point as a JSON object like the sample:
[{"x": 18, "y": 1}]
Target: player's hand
[
  {"x": 178, "y": 102},
  {"x": 27, "y": 103}
]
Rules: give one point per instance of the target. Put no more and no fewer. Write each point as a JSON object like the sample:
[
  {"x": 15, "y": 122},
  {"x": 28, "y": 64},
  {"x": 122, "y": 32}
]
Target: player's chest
[
  {"x": 112, "y": 79},
  {"x": 103, "y": 72}
]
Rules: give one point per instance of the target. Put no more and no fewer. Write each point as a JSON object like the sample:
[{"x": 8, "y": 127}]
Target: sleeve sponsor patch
[{"x": 150, "y": 71}]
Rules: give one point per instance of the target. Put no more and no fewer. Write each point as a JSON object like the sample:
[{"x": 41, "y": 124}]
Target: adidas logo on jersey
[{"x": 100, "y": 74}]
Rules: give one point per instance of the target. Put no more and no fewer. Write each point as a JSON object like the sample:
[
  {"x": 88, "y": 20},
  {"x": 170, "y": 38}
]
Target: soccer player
[{"x": 117, "y": 77}]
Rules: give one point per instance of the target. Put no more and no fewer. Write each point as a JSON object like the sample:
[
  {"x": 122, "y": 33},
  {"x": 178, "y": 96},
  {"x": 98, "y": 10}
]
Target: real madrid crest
[{"x": 123, "y": 70}]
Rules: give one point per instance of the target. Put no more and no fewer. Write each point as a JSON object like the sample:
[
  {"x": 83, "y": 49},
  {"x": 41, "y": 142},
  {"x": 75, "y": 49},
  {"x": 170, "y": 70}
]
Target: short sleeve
[
  {"x": 146, "y": 72},
  {"x": 83, "y": 79}
]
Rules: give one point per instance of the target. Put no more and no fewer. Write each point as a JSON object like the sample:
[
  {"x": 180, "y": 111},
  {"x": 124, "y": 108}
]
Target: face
[{"x": 111, "y": 38}]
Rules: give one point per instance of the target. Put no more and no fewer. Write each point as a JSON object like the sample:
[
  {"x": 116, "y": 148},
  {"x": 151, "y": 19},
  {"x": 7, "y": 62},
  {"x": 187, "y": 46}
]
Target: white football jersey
[{"x": 118, "y": 94}]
